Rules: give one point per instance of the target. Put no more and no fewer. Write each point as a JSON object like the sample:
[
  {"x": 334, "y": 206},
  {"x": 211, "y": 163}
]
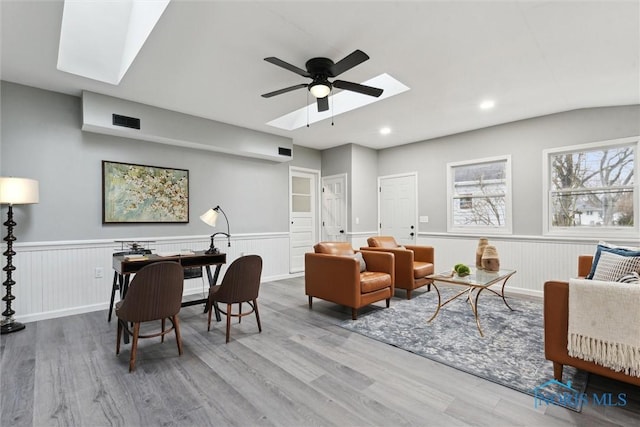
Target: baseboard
[
  {"x": 105, "y": 305},
  {"x": 523, "y": 292}
]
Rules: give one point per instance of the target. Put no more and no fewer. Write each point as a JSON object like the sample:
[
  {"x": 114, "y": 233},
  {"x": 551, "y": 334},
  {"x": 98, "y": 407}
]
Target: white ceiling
[{"x": 205, "y": 58}]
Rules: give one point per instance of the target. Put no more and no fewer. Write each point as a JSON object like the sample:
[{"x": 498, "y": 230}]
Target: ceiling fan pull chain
[
  {"x": 332, "y": 111},
  {"x": 307, "y": 108}
]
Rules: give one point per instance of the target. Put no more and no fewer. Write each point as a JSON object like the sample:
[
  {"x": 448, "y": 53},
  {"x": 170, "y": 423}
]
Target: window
[
  {"x": 591, "y": 189},
  {"x": 479, "y": 195}
]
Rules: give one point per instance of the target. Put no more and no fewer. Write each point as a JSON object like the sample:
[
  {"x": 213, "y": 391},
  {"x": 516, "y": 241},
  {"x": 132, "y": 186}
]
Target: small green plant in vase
[{"x": 462, "y": 270}]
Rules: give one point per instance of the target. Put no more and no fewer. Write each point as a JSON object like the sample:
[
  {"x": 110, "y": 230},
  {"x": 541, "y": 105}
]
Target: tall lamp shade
[
  {"x": 13, "y": 191},
  {"x": 18, "y": 191}
]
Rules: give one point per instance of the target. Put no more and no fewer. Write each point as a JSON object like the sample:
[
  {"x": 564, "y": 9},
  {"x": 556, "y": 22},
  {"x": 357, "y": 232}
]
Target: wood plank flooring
[{"x": 302, "y": 370}]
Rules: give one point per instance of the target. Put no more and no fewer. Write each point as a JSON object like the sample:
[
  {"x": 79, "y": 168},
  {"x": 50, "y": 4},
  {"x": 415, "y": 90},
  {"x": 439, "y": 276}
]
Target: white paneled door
[
  {"x": 398, "y": 207},
  {"x": 334, "y": 208},
  {"x": 303, "y": 216}
]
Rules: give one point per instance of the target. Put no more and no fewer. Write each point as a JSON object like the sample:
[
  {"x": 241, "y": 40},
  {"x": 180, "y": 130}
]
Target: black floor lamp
[
  {"x": 210, "y": 217},
  {"x": 13, "y": 191}
]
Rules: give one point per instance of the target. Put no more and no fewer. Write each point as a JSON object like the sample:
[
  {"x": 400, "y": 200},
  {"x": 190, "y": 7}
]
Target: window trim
[
  {"x": 507, "y": 228},
  {"x": 591, "y": 232}
]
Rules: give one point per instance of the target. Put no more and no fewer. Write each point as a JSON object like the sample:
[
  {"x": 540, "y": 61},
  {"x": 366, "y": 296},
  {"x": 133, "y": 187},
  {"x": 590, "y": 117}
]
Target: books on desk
[
  {"x": 136, "y": 257},
  {"x": 181, "y": 252}
]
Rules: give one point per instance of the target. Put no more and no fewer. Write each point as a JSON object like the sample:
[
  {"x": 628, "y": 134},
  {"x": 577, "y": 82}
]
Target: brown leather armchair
[
  {"x": 556, "y": 326},
  {"x": 413, "y": 263},
  {"x": 333, "y": 273}
]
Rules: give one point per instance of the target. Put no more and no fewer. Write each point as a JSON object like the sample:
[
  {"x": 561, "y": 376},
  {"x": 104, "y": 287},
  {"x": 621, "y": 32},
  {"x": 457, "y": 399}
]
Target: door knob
[
  {"x": 412, "y": 227},
  {"x": 341, "y": 231},
  {"x": 411, "y": 234}
]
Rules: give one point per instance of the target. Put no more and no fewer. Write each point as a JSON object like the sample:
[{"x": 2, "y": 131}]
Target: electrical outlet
[{"x": 99, "y": 273}]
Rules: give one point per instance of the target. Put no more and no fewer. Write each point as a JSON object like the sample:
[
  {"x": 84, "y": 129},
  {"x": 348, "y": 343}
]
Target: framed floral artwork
[{"x": 144, "y": 194}]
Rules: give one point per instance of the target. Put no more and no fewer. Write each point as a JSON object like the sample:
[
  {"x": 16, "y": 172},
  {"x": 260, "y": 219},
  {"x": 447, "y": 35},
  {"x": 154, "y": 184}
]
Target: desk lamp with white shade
[{"x": 210, "y": 217}]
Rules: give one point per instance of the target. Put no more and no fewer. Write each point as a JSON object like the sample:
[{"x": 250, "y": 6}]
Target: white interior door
[
  {"x": 303, "y": 217},
  {"x": 334, "y": 208},
  {"x": 398, "y": 207}
]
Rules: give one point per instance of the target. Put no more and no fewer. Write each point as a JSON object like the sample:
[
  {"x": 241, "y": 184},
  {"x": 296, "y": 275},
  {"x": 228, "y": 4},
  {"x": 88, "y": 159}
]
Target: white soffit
[
  {"x": 340, "y": 103},
  {"x": 101, "y": 38}
]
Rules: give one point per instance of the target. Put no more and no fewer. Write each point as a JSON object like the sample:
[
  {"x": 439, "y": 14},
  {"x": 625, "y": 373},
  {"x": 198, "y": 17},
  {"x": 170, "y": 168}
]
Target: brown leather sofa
[
  {"x": 556, "y": 324},
  {"x": 332, "y": 273},
  {"x": 413, "y": 263}
]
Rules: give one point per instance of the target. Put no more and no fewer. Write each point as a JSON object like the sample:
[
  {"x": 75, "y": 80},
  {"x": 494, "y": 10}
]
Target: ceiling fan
[{"x": 319, "y": 70}]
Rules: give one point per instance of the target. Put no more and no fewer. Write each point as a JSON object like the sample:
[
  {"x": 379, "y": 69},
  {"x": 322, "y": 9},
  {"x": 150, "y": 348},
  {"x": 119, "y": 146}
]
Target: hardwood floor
[{"x": 302, "y": 370}]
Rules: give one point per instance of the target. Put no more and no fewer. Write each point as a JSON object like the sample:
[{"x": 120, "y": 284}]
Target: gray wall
[
  {"x": 360, "y": 165},
  {"x": 364, "y": 189},
  {"x": 41, "y": 139},
  {"x": 524, "y": 140}
]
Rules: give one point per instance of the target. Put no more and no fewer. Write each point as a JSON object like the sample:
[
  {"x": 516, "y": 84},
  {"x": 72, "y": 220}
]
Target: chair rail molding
[
  {"x": 56, "y": 279},
  {"x": 536, "y": 260}
]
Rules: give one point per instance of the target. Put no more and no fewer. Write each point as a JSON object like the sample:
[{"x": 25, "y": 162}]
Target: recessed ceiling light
[
  {"x": 487, "y": 104},
  {"x": 385, "y": 130}
]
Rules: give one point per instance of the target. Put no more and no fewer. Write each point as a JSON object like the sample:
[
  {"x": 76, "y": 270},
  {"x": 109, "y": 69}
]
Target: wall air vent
[
  {"x": 124, "y": 121},
  {"x": 284, "y": 151}
]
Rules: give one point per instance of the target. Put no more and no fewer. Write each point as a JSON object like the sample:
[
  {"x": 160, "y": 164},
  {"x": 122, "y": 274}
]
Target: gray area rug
[{"x": 510, "y": 354}]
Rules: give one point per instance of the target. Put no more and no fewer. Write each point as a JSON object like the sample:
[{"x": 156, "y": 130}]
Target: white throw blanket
[{"x": 604, "y": 324}]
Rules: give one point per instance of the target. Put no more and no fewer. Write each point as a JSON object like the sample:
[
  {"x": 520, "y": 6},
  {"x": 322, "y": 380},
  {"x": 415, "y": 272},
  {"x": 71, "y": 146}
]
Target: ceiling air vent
[{"x": 127, "y": 122}]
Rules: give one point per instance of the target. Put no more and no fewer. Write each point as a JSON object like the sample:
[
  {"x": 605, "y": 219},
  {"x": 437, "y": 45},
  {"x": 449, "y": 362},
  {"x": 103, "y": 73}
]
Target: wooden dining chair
[
  {"x": 241, "y": 283},
  {"x": 155, "y": 293}
]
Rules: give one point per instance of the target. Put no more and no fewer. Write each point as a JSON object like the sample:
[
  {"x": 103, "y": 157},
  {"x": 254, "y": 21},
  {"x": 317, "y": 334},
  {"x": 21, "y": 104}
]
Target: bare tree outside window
[
  {"x": 592, "y": 188},
  {"x": 478, "y": 194}
]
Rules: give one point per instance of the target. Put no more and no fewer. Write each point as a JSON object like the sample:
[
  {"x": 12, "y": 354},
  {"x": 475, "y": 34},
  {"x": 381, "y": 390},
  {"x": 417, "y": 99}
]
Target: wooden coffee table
[{"x": 473, "y": 285}]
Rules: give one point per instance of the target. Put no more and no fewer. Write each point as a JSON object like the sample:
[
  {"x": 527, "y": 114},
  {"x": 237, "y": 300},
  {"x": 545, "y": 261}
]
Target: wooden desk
[{"x": 123, "y": 268}]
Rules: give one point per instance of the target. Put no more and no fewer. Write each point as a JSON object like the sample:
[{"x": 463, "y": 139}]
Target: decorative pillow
[
  {"x": 604, "y": 247},
  {"x": 363, "y": 265},
  {"x": 630, "y": 278},
  {"x": 612, "y": 266},
  {"x": 611, "y": 245}
]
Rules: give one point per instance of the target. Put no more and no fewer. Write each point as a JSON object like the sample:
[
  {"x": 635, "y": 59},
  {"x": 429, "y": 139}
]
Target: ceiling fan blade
[
  {"x": 323, "y": 104},
  {"x": 354, "y": 58},
  {"x": 285, "y": 90},
  {"x": 287, "y": 66},
  {"x": 356, "y": 87}
]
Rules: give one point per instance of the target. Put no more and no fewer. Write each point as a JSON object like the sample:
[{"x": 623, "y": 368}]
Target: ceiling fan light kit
[
  {"x": 320, "y": 89},
  {"x": 319, "y": 70}
]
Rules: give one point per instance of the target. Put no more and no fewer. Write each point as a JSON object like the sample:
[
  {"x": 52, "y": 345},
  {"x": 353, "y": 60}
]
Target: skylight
[
  {"x": 340, "y": 103},
  {"x": 101, "y": 38}
]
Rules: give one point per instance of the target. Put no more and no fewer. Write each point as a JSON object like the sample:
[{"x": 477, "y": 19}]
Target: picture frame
[{"x": 133, "y": 193}]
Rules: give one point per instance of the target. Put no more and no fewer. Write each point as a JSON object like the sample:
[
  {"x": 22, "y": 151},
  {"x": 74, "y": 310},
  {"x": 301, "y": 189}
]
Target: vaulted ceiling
[{"x": 205, "y": 58}]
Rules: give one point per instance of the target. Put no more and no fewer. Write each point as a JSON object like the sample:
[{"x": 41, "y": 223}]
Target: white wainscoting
[
  {"x": 536, "y": 260},
  {"x": 359, "y": 239},
  {"x": 56, "y": 279}
]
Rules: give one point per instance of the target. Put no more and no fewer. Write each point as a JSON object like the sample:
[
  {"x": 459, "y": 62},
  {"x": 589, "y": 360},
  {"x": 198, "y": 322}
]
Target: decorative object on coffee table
[
  {"x": 490, "y": 259},
  {"x": 482, "y": 243},
  {"x": 13, "y": 191},
  {"x": 462, "y": 270}
]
